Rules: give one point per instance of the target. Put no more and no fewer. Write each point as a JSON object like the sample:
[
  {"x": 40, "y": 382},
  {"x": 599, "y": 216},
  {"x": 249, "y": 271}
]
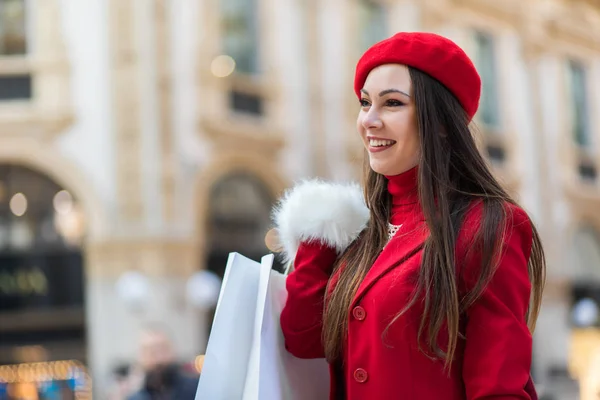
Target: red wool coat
[{"x": 492, "y": 362}]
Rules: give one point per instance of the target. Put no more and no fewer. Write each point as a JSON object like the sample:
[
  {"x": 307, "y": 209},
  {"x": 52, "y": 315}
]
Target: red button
[
  {"x": 359, "y": 313},
  {"x": 360, "y": 375}
]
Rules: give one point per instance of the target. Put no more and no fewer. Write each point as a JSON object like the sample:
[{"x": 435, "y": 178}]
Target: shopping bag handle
[{"x": 288, "y": 268}]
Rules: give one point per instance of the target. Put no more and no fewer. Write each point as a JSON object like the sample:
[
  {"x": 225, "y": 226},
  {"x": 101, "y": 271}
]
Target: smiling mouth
[{"x": 378, "y": 144}]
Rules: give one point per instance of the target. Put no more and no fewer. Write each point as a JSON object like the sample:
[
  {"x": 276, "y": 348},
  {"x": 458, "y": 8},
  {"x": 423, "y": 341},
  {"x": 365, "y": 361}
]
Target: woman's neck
[{"x": 405, "y": 195}]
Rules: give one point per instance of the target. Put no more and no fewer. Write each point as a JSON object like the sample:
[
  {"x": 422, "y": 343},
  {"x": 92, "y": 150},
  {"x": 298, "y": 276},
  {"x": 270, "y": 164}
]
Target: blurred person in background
[
  {"x": 164, "y": 378},
  {"x": 127, "y": 380}
]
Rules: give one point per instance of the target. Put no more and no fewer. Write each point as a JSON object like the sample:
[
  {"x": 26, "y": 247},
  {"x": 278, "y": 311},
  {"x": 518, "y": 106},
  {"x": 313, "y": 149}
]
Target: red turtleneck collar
[{"x": 405, "y": 196}]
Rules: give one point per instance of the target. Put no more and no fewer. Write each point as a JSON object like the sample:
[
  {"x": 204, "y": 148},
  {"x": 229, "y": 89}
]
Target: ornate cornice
[
  {"x": 508, "y": 11},
  {"x": 261, "y": 85},
  {"x": 574, "y": 22},
  {"x": 155, "y": 257},
  {"x": 26, "y": 121},
  {"x": 585, "y": 195},
  {"x": 247, "y": 133}
]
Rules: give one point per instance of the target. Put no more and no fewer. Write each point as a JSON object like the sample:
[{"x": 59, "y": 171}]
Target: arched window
[
  {"x": 239, "y": 219},
  {"x": 41, "y": 266},
  {"x": 239, "y": 215}
]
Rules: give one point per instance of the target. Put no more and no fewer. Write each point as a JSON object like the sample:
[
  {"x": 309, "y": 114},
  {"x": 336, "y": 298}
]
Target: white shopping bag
[
  {"x": 273, "y": 373},
  {"x": 246, "y": 358},
  {"x": 228, "y": 352}
]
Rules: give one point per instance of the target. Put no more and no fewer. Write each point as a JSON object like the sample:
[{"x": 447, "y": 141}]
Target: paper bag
[
  {"x": 246, "y": 357},
  {"x": 273, "y": 373},
  {"x": 230, "y": 342}
]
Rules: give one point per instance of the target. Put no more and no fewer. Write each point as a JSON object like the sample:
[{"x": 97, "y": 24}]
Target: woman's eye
[
  {"x": 364, "y": 103},
  {"x": 394, "y": 103}
]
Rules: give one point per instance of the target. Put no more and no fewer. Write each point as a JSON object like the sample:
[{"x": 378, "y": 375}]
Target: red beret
[{"x": 435, "y": 55}]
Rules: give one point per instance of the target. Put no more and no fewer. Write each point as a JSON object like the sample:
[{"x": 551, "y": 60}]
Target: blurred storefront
[
  {"x": 142, "y": 141},
  {"x": 41, "y": 268}
]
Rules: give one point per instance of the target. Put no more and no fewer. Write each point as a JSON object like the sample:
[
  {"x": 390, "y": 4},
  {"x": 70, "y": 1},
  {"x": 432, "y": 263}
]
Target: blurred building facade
[{"x": 141, "y": 141}]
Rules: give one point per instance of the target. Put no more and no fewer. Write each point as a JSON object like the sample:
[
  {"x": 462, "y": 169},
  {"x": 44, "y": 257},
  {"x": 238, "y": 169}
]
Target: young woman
[{"x": 433, "y": 292}]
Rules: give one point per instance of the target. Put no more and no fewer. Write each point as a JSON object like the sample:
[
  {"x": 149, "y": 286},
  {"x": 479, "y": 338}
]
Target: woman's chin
[
  {"x": 381, "y": 168},
  {"x": 389, "y": 170}
]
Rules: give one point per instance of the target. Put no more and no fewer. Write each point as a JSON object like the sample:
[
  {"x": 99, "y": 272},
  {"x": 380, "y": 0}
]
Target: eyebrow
[{"x": 387, "y": 91}]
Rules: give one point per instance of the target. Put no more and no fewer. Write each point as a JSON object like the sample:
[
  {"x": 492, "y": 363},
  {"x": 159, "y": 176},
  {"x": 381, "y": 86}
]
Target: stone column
[
  {"x": 125, "y": 68},
  {"x": 50, "y": 68}
]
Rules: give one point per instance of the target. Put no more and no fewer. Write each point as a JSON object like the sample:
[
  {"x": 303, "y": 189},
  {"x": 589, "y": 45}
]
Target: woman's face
[{"x": 387, "y": 120}]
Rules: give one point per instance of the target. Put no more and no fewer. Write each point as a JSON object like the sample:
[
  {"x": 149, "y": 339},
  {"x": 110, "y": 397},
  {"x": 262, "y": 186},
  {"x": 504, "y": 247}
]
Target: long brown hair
[{"x": 452, "y": 173}]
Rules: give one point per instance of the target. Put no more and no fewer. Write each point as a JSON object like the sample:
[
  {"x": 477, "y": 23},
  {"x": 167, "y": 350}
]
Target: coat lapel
[{"x": 397, "y": 252}]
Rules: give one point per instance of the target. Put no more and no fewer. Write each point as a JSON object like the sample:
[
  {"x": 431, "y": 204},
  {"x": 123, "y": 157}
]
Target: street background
[{"x": 141, "y": 141}]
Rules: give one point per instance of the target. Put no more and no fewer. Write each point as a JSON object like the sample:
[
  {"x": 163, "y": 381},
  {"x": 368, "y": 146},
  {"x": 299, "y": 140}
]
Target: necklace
[{"x": 392, "y": 230}]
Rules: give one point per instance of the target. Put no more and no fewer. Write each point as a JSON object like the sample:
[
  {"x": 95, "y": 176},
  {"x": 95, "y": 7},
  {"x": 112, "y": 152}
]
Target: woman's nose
[{"x": 372, "y": 120}]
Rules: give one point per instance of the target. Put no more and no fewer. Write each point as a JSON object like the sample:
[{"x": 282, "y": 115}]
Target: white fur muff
[{"x": 332, "y": 213}]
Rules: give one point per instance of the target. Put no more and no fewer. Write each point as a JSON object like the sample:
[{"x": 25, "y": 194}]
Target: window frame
[
  {"x": 583, "y": 159},
  {"x": 256, "y": 69},
  {"x": 587, "y": 144},
  {"x": 28, "y": 32},
  {"x": 381, "y": 5},
  {"x": 490, "y": 89},
  {"x": 20, "y": 64},
  {"x": 219, "y": 121},
  {"x": 47, "y": 112}
]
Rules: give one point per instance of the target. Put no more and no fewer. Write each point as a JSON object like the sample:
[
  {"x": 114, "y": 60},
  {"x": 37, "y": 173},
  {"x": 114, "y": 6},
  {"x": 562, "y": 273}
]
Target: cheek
[
  {"x": 404, "y": 130},
  {"x": 409, "y": 137},
  {"x": 413, "y": 146},
  {"x": 414, "y": 140},
  {"x": 414, "y": 132}
]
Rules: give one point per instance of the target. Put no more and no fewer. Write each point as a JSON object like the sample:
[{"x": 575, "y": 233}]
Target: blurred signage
[
  {"x": 23, "y": 282},
  {"x": 41, "y": 281}
]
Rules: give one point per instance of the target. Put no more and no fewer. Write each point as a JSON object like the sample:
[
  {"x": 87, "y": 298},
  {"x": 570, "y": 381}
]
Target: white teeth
[{"x": 380, "y": 143}]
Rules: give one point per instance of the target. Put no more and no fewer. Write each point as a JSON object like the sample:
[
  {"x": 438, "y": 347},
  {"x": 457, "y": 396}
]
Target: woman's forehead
[{"x": 388, "y": 76}]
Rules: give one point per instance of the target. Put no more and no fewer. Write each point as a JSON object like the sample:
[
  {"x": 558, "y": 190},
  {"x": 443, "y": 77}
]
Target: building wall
[{"x": 130, "y": 118}]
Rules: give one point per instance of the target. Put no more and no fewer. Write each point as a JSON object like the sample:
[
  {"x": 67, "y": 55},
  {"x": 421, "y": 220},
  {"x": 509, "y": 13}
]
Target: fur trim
[{"x": 332, "y": 213}]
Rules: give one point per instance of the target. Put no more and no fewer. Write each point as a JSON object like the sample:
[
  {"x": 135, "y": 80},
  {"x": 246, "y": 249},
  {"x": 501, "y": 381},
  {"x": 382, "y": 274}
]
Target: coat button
[
  {"x": 359, "y": 313},
  {"x": 360, "y": 375}
]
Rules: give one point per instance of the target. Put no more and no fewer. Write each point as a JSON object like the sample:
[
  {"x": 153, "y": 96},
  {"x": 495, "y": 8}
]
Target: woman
[{"x": 437, "y": 296}]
